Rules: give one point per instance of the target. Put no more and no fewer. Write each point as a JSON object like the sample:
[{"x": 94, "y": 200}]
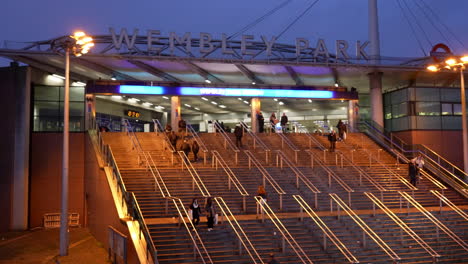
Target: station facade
[{"x": 143, "y": 78}]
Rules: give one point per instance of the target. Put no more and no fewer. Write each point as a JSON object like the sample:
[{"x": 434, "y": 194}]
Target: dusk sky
[{"x": 27, "y": 20}]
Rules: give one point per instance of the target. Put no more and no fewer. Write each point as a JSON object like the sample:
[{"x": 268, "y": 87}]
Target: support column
[
  {"x": 374, "y": 32},
  {"x": 255, "y": 107},
  {"x": 20, "y": 186},
  {"x": 375, "y": 83},
  {"x": 353, "y": 115},
  {"x": 175, "y": 112}
]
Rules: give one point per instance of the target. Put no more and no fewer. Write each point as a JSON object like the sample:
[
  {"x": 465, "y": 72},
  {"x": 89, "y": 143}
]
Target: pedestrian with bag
[
  {"x": 412, "y": 172},
  {"x": 196, "y": 211},
  {"x": 210, "y": 213},
  {"x": 186, "y": 149},
  {"x": 419, "y": 163}
]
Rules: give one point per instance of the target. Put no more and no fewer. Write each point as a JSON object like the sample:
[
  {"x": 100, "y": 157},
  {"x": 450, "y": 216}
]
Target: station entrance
[{"x": 317, "y": 109}]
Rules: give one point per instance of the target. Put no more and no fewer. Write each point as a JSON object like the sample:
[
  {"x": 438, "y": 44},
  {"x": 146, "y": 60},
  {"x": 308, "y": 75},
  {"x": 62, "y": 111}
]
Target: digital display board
[{"x": 219, "y": 91}]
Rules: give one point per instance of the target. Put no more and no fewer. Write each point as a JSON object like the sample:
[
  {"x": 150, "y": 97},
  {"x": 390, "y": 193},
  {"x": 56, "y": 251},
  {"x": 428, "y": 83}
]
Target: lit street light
[
  {"x": 458, "y": 64},
  {"x": 78, "y": 44}
]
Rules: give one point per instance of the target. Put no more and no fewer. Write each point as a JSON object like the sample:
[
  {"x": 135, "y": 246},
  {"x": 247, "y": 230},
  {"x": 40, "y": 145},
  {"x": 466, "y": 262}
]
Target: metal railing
[
  {"x": 445, "y": 200},
  {"x": 256, "y": 140},
  {"x": 232, "y": 179},
  {"x": 287, "y": 237},
  {"x": 435, "y": 163},
  {"x": 227, "y": 141},
  {"x": 391, "y": 172},
  {"x": 290, "y": 145},
  {"x": 135, "y": 143},
  {"x": 434, "y": 220},
  {"x": 167, "y": 143},
  {"x": 196, "y": 180},
  {"x": 200, "y": 142},
  {"x": 300, "y": 177},
  {"x": 151, "y": 253},
  {"x": 327, "y": 233},
  {"x": 403, "y": 226},
  {"x": 244, "y": 240},
  {"x": 365, "y": 228},
  {"x": 331, "y": 175},
  {"x": 265, "y": 176},
  {"x": 198, "y": 245}
]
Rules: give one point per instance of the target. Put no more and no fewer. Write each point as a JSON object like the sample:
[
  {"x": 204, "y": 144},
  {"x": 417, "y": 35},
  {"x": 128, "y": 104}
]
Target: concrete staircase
[{"x": 175, "y": 246}]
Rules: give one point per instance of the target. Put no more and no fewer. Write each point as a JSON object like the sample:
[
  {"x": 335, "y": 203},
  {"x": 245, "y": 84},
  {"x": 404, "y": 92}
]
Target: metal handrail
[
  {"x": 403, "y": 226},
  {"x": 283, "y": 230},
  {"x": 331, "y": 174},
  {"x": 151, "y": 166},
  {"x": 391, "y": 172},
  {"x": 280, "y": 158},
  {"x": 326, "y": 231},
  {"x": 143, "y": 229},
  {"x": 200, "y": 142},
  {"x": 450, "y": 204},
  {"x": 266, "y": 176},
  {"x": 289, "y": 143},
  {"x": 196, "y": 178},
  {"x": 133, "y": 139},
  {"x": 362, "y": 173},
  {"x": 438, "y": 166},
  {"x": 434, "y": 220},
  {"x": 256, "y": 140},
  {"x": 190, "y": 227},
  {"x": 312, "y": 139},
  {"x": 158, "y": 129},
  {"x": 217, "y": 159},
  {"x": 227, "y": 141},
  {"x": 365, "y": 228},
  {"x": 239, "y": 231}
]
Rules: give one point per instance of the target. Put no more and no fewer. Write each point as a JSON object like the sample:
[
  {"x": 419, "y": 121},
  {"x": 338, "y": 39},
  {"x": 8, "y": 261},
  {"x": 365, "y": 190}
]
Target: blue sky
[{"x": 28, "y": 20}]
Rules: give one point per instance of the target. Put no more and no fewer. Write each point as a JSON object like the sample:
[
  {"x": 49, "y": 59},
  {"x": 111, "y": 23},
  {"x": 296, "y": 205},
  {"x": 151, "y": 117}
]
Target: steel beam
[
  {"x": 49, "y": 68},
  {"x": 154, "y": 71},
  {"x": 203, "y": 73},
  {"x": 103, "y": 69},
  {"x": 294, "y": 75},
  {"x": 249, "y": 74}
]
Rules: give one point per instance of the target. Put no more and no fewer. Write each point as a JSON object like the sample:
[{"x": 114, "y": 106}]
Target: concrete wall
[
  {"x": 445, "y": 142},
  {"x": 100, "y": 207},
  {"x": 46, "y": 175}
]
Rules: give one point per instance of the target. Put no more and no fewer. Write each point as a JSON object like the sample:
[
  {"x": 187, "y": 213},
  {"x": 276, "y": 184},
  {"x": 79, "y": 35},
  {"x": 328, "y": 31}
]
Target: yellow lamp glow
[
  {"x": 450, "y": 62},
  {"x": 464, "y": 59},
  {"x": 432, "y": 68}
]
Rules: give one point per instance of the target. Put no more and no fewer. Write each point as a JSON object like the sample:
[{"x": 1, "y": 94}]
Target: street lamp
[
  {"x": 458, "y": 64},
  {"x": 78, "y": 44}
]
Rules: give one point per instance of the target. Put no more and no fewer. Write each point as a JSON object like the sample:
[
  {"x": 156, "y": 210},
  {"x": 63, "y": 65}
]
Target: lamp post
[
  {"x": 458, "y": 64},
  {"x": 78, "y": 44}
]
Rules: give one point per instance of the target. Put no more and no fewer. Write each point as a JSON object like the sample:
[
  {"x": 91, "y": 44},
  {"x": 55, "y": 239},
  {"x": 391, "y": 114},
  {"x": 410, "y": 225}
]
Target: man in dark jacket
[
  {"x": 195, "y": 149},
  {"x": 185, "y": 148},
  {"x": 173, "y": 139},
  {"x": 182, "y": 125},
  {"x": 332, "y": 138},
  {"x": 284, "y": 122},
  {"x": 412, "y": 171},
  {"x": 238, "y": 133},
  {"x": 261, "y": 122}
]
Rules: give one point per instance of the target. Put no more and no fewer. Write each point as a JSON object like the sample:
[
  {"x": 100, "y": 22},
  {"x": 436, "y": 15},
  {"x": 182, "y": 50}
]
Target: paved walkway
[{"x": 41, "y": 246}]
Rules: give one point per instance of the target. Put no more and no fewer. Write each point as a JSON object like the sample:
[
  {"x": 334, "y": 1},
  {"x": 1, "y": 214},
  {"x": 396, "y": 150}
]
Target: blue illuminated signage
[{"x": 216, "y": 91}]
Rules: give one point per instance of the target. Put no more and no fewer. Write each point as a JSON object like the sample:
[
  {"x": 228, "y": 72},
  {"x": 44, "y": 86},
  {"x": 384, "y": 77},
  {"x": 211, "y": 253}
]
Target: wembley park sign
[{"x": 248, "y": 46}]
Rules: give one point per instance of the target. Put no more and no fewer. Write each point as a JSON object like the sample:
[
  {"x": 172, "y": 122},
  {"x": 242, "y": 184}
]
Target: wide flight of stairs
[{"x": 174, "y": 245}]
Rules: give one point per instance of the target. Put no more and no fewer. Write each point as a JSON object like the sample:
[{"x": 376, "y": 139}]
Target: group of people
[
  {"x": 342, "y": 134},
  {"x": 186, "y": 146},
  {"x": 273, "y": 121},
  {"x": 196, "y": 212}
]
